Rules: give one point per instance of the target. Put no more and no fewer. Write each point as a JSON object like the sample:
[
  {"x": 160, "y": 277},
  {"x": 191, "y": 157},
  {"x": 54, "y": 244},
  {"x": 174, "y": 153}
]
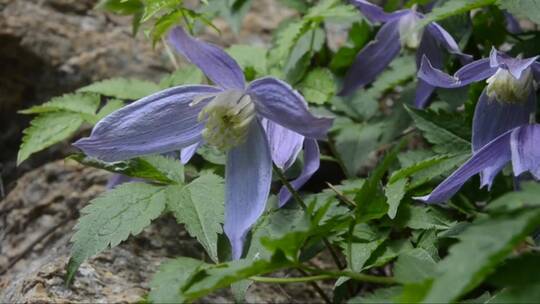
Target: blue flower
[
  {"x": 264, "y": 122},
  {"x": 501, "y": 130},
  {"x": 400, "y": 29}
]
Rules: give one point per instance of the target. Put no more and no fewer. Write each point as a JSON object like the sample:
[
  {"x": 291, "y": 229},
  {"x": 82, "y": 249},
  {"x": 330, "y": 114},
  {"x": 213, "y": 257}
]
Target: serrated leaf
[
  {"x": 250, "y": 57},
  {"x": 46, "y": 130},
  {"x": 75, "y": 103},
  {"x": 166, "y": 283},
  {"x": 444, "y": 140},
  {"x": 425, "y": 218},
  {"x": 164, "y": 23},
  {"x": 381, "y": 295},
  {"x": 186, "y": 75},
  {"x": 122, "y": 88},
  {"x": 121, "y": 7},
  {"x": 394, "y": 194},
  {"x": 332, "y": 10},
  {"x": 318, "y": 86},
  {"x": 518, "y": 271},
  {"x": 522, "y": 8},
  {"x": 453, "y": 7},
  {"x": 414, "y": 266},
  {"x": 154, "y": 168},
  {"x": 112, "y": 217},
  {"x": 482, "y": 246},
  {"x": 285, "y": 41},
  {"x": 528, "y": 293},
  {"x": 200, "y": 206},
  {"x": 108, "y": 108},
  {"x": 527, "y": 197},
  {"x": 302, "y": 52},
  {"x": 153, "y": 7}
]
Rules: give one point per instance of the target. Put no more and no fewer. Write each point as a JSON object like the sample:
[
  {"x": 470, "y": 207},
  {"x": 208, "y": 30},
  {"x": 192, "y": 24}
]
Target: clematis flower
[
  {"x": 518, "y": 146},
  {"x": 503, "y": 109},
  {"x": 256, "y": 124},
  {"x": 400, "y": 29}
]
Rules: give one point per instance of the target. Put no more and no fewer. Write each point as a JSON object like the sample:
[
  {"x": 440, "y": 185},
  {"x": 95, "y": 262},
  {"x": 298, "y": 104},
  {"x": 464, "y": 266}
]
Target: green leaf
[
  {"x": 414, "y": 266},
  {"x": 108, "y": 108},
  {"x": 355, "y": 143},
  {"x": 318, "y": 86},
  {"x": 423, "y": 217},
  {"x": 365, "y": 244},
  {"x": 304, "y": 49},
  {"x": 200, "y": 206},
  {"x": 223, "y": 275},
  {"x": 121, "y": 7},
  {"x": 482, "y": 246},
  {"x": 112, "y": 218},
  {"x": 438, "y": 132},
  {"x": 522, "y": 8},
  {"x": 186, "y": 75},
  {"x": 153, "y": 7},
  {"x": 165, "y": 22},
  {"x": 381, "y": 295},
  {"x": 171, "y": 276},
  {"x": 518, "y": 271},
  {"x": 155, "y": 168},
  {"x": 122, "y": 88},
  {"x": 529, "y": 293},
  {"x": 75, "y": 103},
  {"x": 527, "y": 197},
  {"x": 453, "y": 7},
  {"x": 46, "y": 130},
  {"x": 332, "y": 10},
  {"x": 394, "y": 194},
  {"x": 250, "y": 57},
  {"x": 285, "y": 41}
]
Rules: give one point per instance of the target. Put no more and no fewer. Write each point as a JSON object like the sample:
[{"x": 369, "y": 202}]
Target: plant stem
[
  {"x": 170, "y": 54},
  {"x": 292, "y": 280},
  {"x": 300, "y": 202},
  {"x": 326, "y": 275}
]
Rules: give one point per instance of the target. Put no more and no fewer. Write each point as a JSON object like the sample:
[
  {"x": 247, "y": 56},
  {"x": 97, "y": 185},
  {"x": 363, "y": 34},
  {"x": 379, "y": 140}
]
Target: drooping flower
[
  {"x": 399, "y": 29},
  {"x": 264, "y": 122},
  {"x": 502, "y": 113}
]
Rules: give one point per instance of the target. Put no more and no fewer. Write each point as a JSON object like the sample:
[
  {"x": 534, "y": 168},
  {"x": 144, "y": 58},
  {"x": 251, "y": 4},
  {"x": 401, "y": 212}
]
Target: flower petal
[
  {"x": 428, "y": 47},
  {"x": 278, "y": 102},
  {"x": 512, "y": 24},
  {"x": 373, "y": 58},
  {"x": 119, "y": 179},
  {"x": 472, "y": 72},
  {"x": 217, "y": 65},
  {"x": 514, "y": 65},
  {"x": 496, "y": 154},
  {"x": 248, "y": 176},
  {"x": 159, "y": 123},
  {"x": 493, "y": 118},
  {"x": 446, "y": 40},
  {"x": 284, "y": 144},
  {"x": 187, "y": 153},
  {"x": 311, "y": 165},
  {"x": 525, "y": 150},
  {"x": 375, "y": 13}
]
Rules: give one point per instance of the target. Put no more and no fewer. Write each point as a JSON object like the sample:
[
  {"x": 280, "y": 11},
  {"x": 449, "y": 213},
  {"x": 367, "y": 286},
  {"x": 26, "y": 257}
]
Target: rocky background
[{"x": 51, "y": 47}]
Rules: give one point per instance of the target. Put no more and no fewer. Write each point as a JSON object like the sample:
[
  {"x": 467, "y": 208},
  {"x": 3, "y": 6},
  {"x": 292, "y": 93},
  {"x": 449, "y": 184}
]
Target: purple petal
[
  {"x": 217, "y": 65},
  {"x": 159, "y": 123},
  {"x": 446, "y": 40},
  {"x": 514, "y": 65},
  {"x": 187, "y": 153},
  {"x": 278, "y": 102},
  {"x": 311, "y": 165},
  {"x": 375, "y": 13},
  {"x": 526, "y": 150},
  {"x": 496, "y": 154},
  {"x": 373, "y": 58},
  {"x": 493, "y": 118},
  {"x": 284, "y": 144},
  {"x": 248, "y": 176},
  {"x": 428, "y": 47},
  {"x": 512, "y": 25},
  {"x": 475, "y": 71}
]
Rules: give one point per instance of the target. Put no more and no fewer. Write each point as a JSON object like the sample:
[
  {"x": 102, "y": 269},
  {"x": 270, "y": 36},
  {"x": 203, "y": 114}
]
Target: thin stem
[
  {"x": 300, "y": 202},
  {"x": 292, "y": 280},
  {"x": 316, "y": 286},
  {"x": 170, "y": 54}
]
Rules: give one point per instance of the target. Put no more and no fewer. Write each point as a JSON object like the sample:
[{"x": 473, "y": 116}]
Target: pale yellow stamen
[{"x": 504, "y": 87}]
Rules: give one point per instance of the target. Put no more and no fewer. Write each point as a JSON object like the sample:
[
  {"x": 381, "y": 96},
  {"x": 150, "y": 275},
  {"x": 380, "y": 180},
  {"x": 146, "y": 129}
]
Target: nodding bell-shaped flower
[
  {"x": 400, "y": 29},
  {"x": 500, "y": 125},
  {"x": 259, "y": 124}
]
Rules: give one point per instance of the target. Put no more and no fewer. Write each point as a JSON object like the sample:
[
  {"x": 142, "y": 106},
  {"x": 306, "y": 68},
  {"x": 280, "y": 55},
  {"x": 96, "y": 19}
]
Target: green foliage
[
  {"x": 318, "y": 86},
  {"x": 112, "y": 218},
  {"x": 200, "y": 206},
  {"x": 252, "y": 59},
  {"x": 122, "y": 88},
  {"x": 454, "y": 7},
  {"x": 170, "y": 277},
  {"x": 186, "y": 75},
  {"x": 522, "y": 8}
]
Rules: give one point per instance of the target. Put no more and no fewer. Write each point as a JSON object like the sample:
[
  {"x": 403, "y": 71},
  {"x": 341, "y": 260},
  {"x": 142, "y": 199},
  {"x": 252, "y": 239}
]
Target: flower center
[
  {"x": 409, "y": 32},
  {"x": 504, "y": 87},
  {"x": 228, "y": 117}
]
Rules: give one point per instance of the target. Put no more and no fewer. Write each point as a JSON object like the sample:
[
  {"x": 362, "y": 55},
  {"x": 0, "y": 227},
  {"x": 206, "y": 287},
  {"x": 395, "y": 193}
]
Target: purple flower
[
  {"x": 503, "y": 110},
  {"x": 256, "y": 124},
  {"x": 400, "y": 29}
]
